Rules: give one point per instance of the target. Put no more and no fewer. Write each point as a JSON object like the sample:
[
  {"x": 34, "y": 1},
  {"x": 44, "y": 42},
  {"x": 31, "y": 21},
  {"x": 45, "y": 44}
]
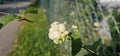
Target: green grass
[
  {"x": 33, "y": 40},
  {"x": 6, "y": 19}
]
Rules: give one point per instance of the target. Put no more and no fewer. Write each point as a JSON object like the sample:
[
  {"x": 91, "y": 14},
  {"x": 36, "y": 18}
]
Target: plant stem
[
  {"x": 90, "y": 51},
  {"x": 37, "y": 24},
  {"x": 22, "y": 18},
  {"x": 3, "y": 13}
]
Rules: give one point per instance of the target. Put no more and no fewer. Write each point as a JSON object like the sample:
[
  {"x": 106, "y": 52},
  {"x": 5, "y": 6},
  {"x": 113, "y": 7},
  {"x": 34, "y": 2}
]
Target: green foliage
[
  {"x": 22, "y": 11},
  {"x": 33, "y": 39},
  {"x": 115, "y": 44},
  {"x": 28, "y": 10},
  {"x": 7, "y": 18},
  {"x": 84, "y": 13},
  {"x": 1, "y": 25},
  {"x": 31, "y": 10},
  {"x": 114, "y": 33},
  {"x": 76, "y": 44},
  {"x": 93, "y": 46}
]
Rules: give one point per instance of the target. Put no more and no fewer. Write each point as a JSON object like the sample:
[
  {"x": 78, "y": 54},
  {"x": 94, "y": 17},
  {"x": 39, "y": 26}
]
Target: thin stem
[
  {"x": 3, "y": 13},
  {"x": 37, "y": 24},
  {"x": 92, "y": 52},
  {"x": 22, "y": 18}
]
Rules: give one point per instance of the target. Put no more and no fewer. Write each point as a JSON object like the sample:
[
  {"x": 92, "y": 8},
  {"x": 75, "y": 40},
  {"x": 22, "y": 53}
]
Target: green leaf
[
  {"x": 76, "y": 43},
  {"x": 7, "y": 18},
  {"x": 76, "y": 46},
  {"x": 90, "y": 47}
]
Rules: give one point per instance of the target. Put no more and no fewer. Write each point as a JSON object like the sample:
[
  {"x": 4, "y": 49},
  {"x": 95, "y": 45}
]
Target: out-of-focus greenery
[
  {"x": 1, "y": 25},
  {"x": 84, "y": 13},
  {"x": 114, "y": 34},
  {"x": 33, "y": 39},
  {"x": 7, "y": 18}
]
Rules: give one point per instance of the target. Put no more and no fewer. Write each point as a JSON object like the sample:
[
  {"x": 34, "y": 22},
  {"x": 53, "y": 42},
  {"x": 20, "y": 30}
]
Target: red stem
[
  {"x": 3, "y": 13},
  {"x": 24, "y": 19}
]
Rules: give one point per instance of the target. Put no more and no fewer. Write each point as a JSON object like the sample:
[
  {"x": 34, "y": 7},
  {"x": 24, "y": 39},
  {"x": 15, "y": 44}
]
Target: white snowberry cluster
[{"x": 58, "y": 32}]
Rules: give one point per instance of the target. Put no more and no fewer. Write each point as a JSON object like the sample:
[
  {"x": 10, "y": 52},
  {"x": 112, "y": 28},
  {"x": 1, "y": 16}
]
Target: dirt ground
[{"x": 7, "y": 37}]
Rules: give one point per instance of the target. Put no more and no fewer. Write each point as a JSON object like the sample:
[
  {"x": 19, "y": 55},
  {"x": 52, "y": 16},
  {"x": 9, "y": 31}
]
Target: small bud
[
  {"x": 74, "y": 27},
  {"x": 96, "y": 24}
]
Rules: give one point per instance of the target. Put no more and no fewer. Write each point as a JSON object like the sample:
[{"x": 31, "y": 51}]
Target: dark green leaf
[
  {"x": 76, "y": 46},
  {"x": 90, "y": 47},
  {"x": 76, "y": 43}
]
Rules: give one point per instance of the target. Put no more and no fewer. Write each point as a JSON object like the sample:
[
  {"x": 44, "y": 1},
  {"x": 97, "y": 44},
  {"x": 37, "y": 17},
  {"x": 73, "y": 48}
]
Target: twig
[
  {"x": 3, "y": 13},
  {"x": 37, "y": 24},
  {"x": 93, "y": 53},
  {"x": 22, "y": 18}
]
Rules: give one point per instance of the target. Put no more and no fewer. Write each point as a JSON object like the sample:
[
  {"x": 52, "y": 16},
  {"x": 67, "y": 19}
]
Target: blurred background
[
  {"x": 96, "y": 19},
  {"x": 12, "y": 6}
]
